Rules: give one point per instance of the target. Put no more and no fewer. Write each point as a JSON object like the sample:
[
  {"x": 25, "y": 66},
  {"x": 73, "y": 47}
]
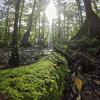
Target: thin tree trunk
[
  {"x": 64, "y": 21},
  {"x": 39, "y": 37},
  {"x": 95, "y": 5},
  {"x": 25, "y": 39},
  {"x": 80, "y": 12},
  {"x": 43, "y": 31},
  {"x": 6, "y": 36},
  {"x": 21, "y": 15},
  {"x": 59, "y": 21},
  {"x": 35, "y": 35},
  {"x": 68, "y": 31},
  {"x": 6, "y": 22}
]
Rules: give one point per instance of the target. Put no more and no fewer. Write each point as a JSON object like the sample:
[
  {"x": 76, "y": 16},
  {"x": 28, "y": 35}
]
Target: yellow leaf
[{"x": 78, "y": 83}]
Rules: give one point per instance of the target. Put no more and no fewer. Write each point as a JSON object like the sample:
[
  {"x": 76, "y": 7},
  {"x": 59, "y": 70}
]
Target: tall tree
[
  {"x": 59, "y": 20},
  {"x": 25, "y": 39},
  {"x": 40, "y": 28},
  {"x": 43, "y": 23},
  {"x": 21, "y": 12},
  {"x": 91, "y": 25},
  {"x": 14, "y": 60},
  {"x": 80, "y": 11},
  {"x": 6, "y": 21},
  {"x": 6, "y": 25},
  {"x": 64, "y": 21}
]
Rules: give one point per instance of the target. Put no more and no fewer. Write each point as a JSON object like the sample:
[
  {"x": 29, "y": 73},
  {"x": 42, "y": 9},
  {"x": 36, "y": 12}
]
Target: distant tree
[
  {"x": 43, "y": 23},
  {"x": 20, "y": 16},
  {"x": 64, "y": 21},
  {"x": 80, "y": 11},
  {"x": 59, "y": 19},
  {"x": 39, "y": 36},
  {"x": 95, "y": 6},
  {"x": 25, "y": 38},
  {"x": 6, "y": 21}
]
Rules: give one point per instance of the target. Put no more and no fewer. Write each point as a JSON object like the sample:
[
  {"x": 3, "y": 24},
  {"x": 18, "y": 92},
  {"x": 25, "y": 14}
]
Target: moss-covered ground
[{"x": 43, "y": 80}]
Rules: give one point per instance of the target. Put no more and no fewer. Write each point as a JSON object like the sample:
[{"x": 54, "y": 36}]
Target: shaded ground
[
  {"x": 83, "y": 57},
  {"x": 84, "y": 63},
  {"x": 27, "y": 56},
  {"x": 90, "y": 88}
]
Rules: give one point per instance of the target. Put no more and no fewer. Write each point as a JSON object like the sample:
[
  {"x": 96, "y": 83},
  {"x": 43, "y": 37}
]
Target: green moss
[{"x": 40, "y": 81}]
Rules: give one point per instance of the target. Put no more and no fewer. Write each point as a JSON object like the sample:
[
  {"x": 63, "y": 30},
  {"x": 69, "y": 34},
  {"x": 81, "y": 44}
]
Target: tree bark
[
  {"x": 6, "y": 22},
  {"x": 6, "y": 36},
  {"x": 21, "y": 15},
  {"x": 39, "y": 36},
  {"x": 64, "y": 23},
  {"x": 14, "y": 60},
  {"x": 43, "y": 28},
  {"x": 88, "y": 8},
  {"x": 91, "y": 26},
  {"x": 59, "y": 20},
  {"x": 80, "y": 12}
]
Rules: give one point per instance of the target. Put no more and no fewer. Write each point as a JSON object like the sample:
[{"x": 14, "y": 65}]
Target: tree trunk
[
  {"x": 59, "y": 20},
  {"x": 88, "y": 8},
  {"x": 6, "y": 36},
  {"x": 39, "y": 36},
  {"x": 21, "y": 15},
  {"x": 91, "y": 26},
  {"x": 43, "y": 30},
  {"x": 6, "y": 22},
  {"x": 64, "y": 23},
  {"x": 80, "y": 12},
  {"x": 25, "y": 39},
  {"x": 35, "y": 35},
  {"x": 14, "y": 60}
]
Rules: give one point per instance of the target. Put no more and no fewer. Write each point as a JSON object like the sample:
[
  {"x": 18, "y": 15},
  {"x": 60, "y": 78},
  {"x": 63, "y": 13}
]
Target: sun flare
[{"x": 51, "y": 11}]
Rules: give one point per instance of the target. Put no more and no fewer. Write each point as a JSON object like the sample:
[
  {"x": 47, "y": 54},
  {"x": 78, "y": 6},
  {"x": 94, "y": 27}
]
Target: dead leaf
[{"x": 78, "y": 83}]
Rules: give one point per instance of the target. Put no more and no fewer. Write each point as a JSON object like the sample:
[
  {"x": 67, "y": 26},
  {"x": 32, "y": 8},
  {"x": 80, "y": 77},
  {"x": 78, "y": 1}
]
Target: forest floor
[
  {"x": 84, "y": 63},
  {"x": 84, "y": 85}
]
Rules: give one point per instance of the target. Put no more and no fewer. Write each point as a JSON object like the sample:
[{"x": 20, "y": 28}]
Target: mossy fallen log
[{"x": 43, "y": 80}]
